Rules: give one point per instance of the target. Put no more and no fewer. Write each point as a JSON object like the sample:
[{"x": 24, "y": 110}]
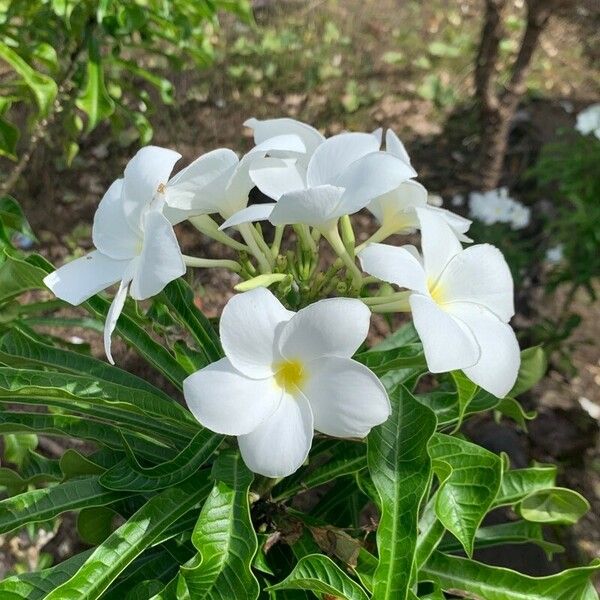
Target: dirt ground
[{"x": 353, "y": 41}]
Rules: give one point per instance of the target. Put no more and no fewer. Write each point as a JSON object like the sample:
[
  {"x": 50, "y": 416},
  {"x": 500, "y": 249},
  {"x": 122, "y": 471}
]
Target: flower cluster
[
  {"x": 288, "y": 373},
  {"x": 496, "y": 206}
]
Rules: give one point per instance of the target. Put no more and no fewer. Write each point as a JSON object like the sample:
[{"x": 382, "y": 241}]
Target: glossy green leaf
[
  {"x": 43, "y": 504},
  {"x": 35, "y": 586},
  {"x": 534, "y": 364},
  {"x": 9, "y": 136},
  {"x": 559, "y": 506},
  {"x": 130, "y": 475},
  {"x": 511, "y": 408},
  {"x": 469, "y": 481},
  {"x": 466, "y": 391},
  {"x": 405, "y": 357},
  {"x": 320, "y": 574},
  {"x": 95, "y": 101},
  {"x": 475, "y": 580},
  {"x": 224, "y": 537},
  {"x": 43, "y": 87},
  {"x": 180, "y": 299},
  {"x": 516, "y": 484},
  {"x": 400, "y": 466},
  {"x": 13, "y": 218},
  {"x": 121, "y": 548},
  {"x": 94, "y": 525},
  {"x": 18, "y": 276}
]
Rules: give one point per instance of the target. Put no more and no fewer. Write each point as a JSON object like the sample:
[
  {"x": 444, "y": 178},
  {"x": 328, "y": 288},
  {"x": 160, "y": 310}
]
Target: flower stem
[
  {"x": 306, "y": 240},
  {"x": 387, "y": 299},
  {"x": 210, "y": 263},
  {"x": 276, "y": 245},
  {"x": 246, "y": 230},
  {"x": 208, "y": 226},
  {"x": 381, "y": 234},
  {"x": 332, "y": 235}
]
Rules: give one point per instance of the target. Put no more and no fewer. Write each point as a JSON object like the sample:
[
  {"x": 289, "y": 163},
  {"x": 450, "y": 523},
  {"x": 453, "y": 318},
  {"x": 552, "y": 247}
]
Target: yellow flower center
[
  {"x": 436, "y": 291},
  {"x": 162, "y": 188},
  {"x": 289, "y": 374}
]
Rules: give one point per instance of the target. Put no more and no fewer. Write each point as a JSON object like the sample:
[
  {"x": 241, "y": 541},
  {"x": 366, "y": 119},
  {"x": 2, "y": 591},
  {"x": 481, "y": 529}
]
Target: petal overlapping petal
[
  {"x": 280, "y": 444},
  {"x": 314, "y": 206},
  {"x": 332, "y": 327},
  {"x": 250, "y": 214},
  {"x": 276, "y": 177},
  {"x": 228, "y": 402},
  {"x": 114, "y": 312},
  {"x": 249, "y": 328},
  {"x": 394, "y": 146}
]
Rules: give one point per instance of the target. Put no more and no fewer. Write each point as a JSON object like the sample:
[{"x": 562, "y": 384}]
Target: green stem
[
  {"x": 381, "y": 234},
  {"x": 208, "y": 226},
  {"x": 388, "y": 299},
  {"x": 306, "y": 240},
  {"x": 246, "y": 230},
  {"x": 276, "y": 245},
  {"x": 211, "y": 263},
  {"x": 332, "y": 235}
]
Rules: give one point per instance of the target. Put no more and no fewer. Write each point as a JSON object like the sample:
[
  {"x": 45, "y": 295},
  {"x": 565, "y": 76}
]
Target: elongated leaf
[
  {"x": 224, "y": 537},
  {"x": 516, "y": 484},
  {"x": 469, "y": 482},
  {"x": 79, "y": 427},
  {"x": 130, "y": 475},
  {"x": 9, "y": 136},
  {"x": 17, "y": 276},
  {"x": 35, "y": 586},
  {"x": 21, "y": 347},
  {"x": 180, "y": 299},
  {"x": 466, "y": 391},
  {"x": 476, "y": 580},
  {"x": 511, "y": 408},
  {"x": 12, "y": 217},
  {"x": 406, "y": 357},
  {"x": 121, "y": 548},
  {"x": 400, "y": 466},
  {"x": 84, "y": 394},
  {"x": 515, "y": 532},
  {"x": 95, "y": 100},
  {"x": 36, "y": 469},
  {"x": 43, "y": 87},
  {"x": 534, "y": 364},
  {"x": 44, "y": 504},
  {"x": 320, "y": 574}
]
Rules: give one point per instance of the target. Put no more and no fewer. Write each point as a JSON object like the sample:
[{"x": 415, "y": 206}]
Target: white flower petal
[
  {"x": 280, "y": 444},
  {"x": 160, "y": 260},
  {"x": 346, "y": 398},
  {"x": 479, "y": 274},
  {"x": 394, "y": 265},
  {"x": 314, "y": 206},
  {"x": 275, "y": 177},
  {"x": 250, "y": 214},
  {"x": 394, "y": 146},
  {"x": 80, "y": 279},
  {"x": 335, "y": 327},
  {"x": 498, "y": 366},
  {"x": 459, "y": 225},
  {"x": 448, "y": 343},
  {"x": 111, "y": 232},
  {"x": 280, "y": 145},
  {"x": 114, "y": 312},
  {"x": 198, "y": 185},
  {"x": 336, "y": 154},
  {"x": 438, "y": 243},
  {"x": 370, "y": 176},
  {"x": 263, "y": 130},
  {"x": 150, "y": 167},
  {"x": 399, "y": 204},
  {"x": 227, "y": 402},
  {"x": 248, "y": 328}
]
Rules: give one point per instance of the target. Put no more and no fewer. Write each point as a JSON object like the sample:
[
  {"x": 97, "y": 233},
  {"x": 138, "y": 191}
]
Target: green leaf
[
  {"x": 180, "y": 299},
  {"x": 469, "y": 481},
  {"x": 9, "y": 136},
  {"x": 43, "y": 87},
  {"x": 346, "y": 458},
  {"x": 94, "y": 525},
  {"x": 121, "y": 548},
  {"x": 559, "y": 506},
  {"x": 18, "y": 276},
  {"x": 475, "y": 580},
  {"x": 400, "y": 467},
  {"x": 466, "y": 391},
  {"x": 130, "y": 475},
  {"x": 35, "y": 586},
  {"x": 12, "y": 217},
  {"x": 17, "y": 447},
  {"x": 36, "y": 469},
  {"x": 534, "y": 364},
  {"x": 95, "y": 101},
  {"x": 224, "y": 537},
  {"x": 511, "y": 408},
  {"x": 41, "y": 505},
  {"x": 320, "y": 574},
  {"x": 381, "y": 362},
  {"x": 516, "y": 484}
]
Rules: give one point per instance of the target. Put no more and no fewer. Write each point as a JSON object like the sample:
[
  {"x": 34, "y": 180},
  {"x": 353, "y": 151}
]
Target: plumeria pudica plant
[{"x": 302, "y": 461}]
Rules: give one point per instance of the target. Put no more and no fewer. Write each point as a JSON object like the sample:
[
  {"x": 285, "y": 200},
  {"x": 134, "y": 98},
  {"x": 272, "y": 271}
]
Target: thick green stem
[
  {"x": 212, "y": 263},
  {"x": 332, "y": 235},
  {"x": 276, "y": 245},
  {"x": 381, "y": 234},
  {"x": 206, "y": 225},
  {"x": 247, "y": 233}
]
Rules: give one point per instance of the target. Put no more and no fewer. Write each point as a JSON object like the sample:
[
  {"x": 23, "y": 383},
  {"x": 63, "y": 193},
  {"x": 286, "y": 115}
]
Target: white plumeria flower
[
  {"x": 520, "y": 216},
  {"x": 223, "y": 182},
  {"x": 588, "y": 120},
  {"x": 284, "y": 375},
  {"x": 461, "y": 302},
  {"x": 343, "y": 174},
  {"x": 396, "y": 212},
  {"x": 135, "y": 242}
]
